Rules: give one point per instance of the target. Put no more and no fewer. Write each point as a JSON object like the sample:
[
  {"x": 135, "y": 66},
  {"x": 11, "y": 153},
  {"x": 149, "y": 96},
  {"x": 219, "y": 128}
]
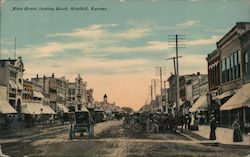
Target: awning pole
[
  {"x": 244, "y": 115},
  {"x": 220, "y": 118},
  {"x": 229, "y": 118},
  {"x": 238, "y": 114}
]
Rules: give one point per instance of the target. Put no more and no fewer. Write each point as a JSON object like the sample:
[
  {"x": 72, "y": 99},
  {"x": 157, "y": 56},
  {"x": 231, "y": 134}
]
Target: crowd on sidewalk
[{"x": 231, "y": 135}]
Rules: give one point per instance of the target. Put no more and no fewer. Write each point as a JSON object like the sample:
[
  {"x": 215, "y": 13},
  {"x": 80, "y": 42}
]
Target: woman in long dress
[{"x": 237, "y": 137}]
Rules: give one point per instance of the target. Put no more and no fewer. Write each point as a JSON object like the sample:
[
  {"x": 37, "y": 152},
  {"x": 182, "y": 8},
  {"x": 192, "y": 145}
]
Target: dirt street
[{"x": 111, "y": 140}]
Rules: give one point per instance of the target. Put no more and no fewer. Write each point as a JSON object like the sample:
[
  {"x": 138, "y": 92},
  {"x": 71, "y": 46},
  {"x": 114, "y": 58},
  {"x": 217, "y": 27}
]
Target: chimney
[
  {"x": 53, "y": 75},
  {"x": 37, "y": 76}
]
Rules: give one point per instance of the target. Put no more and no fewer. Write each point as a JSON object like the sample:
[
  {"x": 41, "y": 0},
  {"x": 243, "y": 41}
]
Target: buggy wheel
[
  {"x": 91, "y": 131},
  {"x": 137, "y": 128},
  {"x": 126, "y": 124},
  {"x": 156, "y": 128},
  {"x": 152, "y": 128}
]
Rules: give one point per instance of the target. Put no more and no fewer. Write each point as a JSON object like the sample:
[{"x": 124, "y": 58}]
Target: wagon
[
  {"x": 81, "y": 122},
  {"x": 141, "y": 122}
]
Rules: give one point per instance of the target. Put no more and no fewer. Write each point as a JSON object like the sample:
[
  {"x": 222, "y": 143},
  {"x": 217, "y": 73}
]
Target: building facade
[
  {"x": 76, "y": 93},
  {"x": 11, "y": 72},
  {"x": 230, "y": 93}
]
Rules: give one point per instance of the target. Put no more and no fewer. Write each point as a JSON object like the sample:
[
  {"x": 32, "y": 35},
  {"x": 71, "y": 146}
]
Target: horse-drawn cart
[
  {"x": 81, "y": 121},
  {"x": 153, "y": 122}
]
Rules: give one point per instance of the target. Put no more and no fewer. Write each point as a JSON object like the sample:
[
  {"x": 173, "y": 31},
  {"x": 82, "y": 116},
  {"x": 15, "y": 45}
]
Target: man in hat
[{"x": 213, "y": 125}]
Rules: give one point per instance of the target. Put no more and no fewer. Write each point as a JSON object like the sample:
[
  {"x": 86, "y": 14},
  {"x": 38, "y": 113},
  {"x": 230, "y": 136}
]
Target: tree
[{"x": 127, "y": 109}]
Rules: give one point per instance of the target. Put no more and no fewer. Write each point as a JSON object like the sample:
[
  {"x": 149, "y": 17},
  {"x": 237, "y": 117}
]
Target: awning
[
  {"x": 60, "y": 95},
  {"x": 36, "y": 108},
  {"x": 239, "y": 99},
  {"x": 38, "y": 94},
  {"x": 5, "y": 107},
  {"x": 20, "y": 87},
  {"x": 63, "y": 108},
  {"x": 225, "y": 94},
  {"x": 12, "y": 84},
  {"x": 201, "y": 103}
]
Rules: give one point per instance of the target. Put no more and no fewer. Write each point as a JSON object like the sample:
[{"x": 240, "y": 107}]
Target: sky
[{"x": 117, "y": 47}]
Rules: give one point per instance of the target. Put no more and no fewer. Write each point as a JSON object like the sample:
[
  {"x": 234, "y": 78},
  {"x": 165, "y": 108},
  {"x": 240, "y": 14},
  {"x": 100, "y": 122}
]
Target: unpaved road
[{"x": 111, "y": 140}]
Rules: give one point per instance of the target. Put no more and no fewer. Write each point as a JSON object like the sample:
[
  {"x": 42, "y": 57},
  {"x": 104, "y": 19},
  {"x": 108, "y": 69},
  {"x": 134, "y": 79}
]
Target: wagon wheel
[
  {"x": 126, "y": 124},
  {"x": 156, "y": 128},
  {"x": 136, "y": 127},
  {"x": 149, "y": 126},
  {"x": 91, "y": 131}
]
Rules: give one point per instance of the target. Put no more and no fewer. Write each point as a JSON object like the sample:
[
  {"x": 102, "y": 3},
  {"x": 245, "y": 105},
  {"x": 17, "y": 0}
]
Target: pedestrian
[
  {"x": 237, "y": 136},
  {"x": 213, "y": 125}
]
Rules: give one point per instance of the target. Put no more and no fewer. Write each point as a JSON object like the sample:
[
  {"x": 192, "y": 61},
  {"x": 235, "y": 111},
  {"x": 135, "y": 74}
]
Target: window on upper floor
[
  {"x": 230, "y": 67},
  {"x": 13, "y": 74},
  {"x": 246, "y": 62}
]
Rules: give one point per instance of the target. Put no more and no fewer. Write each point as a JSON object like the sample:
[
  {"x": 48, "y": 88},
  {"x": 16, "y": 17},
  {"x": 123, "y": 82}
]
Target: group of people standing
[{"x": 237, "y": 135}]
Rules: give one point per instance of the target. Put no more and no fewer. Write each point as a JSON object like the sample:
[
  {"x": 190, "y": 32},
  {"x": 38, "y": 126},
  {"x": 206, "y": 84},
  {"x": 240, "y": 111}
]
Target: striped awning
[
  {"x": 20, "y": 87},
  {"x": 13, "y": 84}
]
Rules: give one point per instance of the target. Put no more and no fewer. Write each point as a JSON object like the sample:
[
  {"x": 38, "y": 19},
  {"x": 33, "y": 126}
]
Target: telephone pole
[
  {"x": 178, "y": 40},
  {"x": 161, "y": 71},
  {"x": 153, "y": 84}
]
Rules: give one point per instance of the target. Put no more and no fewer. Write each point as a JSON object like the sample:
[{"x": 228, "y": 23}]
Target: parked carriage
[{"x": 81, "y": 121}]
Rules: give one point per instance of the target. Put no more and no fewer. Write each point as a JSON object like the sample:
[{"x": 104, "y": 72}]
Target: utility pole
[
  {"x": 160, "y": 70},
  {"x": 151, "y": 92},
  {"x": 176, "y": 88},
  {"x": 177, "y": 38},
  {"x": 165, "y": 95},
  {"x": 153, "y": 82}
]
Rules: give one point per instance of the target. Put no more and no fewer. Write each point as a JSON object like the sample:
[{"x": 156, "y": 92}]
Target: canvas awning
[
  {"x": 13, "y": 84},
  {"x": 60, "y": 95},
  {"x": 5, "y": 107},
  {"x": 36, "y": 108},
  {"x": 63, "y": 108},
  {"x": 225, "y": 94},
  {"x": 239, "y": 99},
  {"x": 38, "y": 94},
  {"x": 201, "y": 103},
  {"x": 20, "y": 87}
]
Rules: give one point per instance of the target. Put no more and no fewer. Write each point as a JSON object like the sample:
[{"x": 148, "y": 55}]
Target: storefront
[
  {"x": 200, "y": 107},
  {"x": 238, "y": 106}
]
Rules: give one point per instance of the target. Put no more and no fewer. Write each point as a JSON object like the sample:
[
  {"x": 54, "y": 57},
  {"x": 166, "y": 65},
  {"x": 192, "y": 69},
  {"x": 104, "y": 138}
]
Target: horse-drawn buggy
[
  {"x": 140, "y": 122},
  {"x": 153, "y": 122},
  {"x": 81, "y": 122}
]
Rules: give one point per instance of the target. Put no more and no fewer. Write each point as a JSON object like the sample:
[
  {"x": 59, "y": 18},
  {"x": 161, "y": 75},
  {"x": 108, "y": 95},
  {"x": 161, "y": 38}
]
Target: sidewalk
[{"x": 223, "y": 135}]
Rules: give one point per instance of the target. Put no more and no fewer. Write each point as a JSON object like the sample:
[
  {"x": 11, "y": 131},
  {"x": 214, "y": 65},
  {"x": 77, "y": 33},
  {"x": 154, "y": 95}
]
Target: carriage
[
  {"x": 140, "y": 122},
  {"x": 80, "y": 122},
  {"x": 151, "y": 122}
]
